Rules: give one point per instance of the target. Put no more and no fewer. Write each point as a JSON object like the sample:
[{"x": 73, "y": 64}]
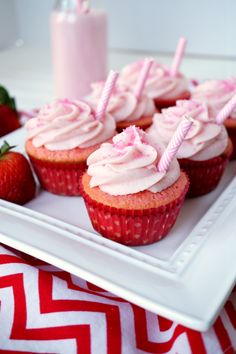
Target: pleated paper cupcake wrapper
[
  {"x": 204, "y": 176},
  {"x": 165, "y": 103},
  {"x": 133, "y": 227},
  {"x": 59, "y": 178},
  {"x": 142, "y": 123},
  {"x": 232, "y": 134}
]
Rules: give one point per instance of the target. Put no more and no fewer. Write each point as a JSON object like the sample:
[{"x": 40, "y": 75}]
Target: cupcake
[
  {"x": 216, "y": 94},
  {"x": 127, "y": 198},
  {"x": 205, "y": 150},
  {"x": 60, "y": 139},
  {"x": 164, "y": 88},
  {"x": 125, "y": 107}
]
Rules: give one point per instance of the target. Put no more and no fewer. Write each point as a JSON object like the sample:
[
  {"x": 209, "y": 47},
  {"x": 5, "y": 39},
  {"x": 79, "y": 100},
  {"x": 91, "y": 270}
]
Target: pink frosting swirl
[
  {"x": 123, "y": 104},
  {"x": 129, "y": 165},
  {"x": 205, "y": 140},
  {"x": 65, "y": 124},
  {"x": 216, "y": 93},
  {"x": 159, "y": 84}
]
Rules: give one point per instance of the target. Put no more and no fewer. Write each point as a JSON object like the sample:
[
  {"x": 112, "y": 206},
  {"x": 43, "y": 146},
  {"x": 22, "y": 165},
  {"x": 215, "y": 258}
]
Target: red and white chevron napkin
[{"x": 46, "y": 310}]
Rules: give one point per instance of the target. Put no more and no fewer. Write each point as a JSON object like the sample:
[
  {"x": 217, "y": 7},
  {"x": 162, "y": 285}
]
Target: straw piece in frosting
[
  {"x": 143, "y": 77},
  {"x": 226, "y": 110},
  {"x": 106, "y": 94},
  {"x": 174, "y": 144},
  {"x": 179, "y": 54}
]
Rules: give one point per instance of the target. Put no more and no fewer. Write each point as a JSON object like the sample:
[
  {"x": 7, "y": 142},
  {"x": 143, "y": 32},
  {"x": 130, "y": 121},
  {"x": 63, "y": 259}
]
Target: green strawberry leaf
[
  {"x": 12, "y": 103},
  {"x": 5, "y": 99},
  {"x": 5, "y": 148},
  {"x": 4, "y": 96}
]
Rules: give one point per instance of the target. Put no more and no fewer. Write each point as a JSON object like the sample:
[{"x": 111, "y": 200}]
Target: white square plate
[{"x": 186, "y": 277}]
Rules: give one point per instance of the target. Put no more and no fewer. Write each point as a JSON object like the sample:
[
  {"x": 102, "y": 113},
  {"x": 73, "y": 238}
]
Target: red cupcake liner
[
  {"x": 143, "y": 127},
  {"x": 165, "y": 103},
  {"x": 59, "y": 178},
  {"x": 204, "y": 176},
  {"x": 232, "y": 134},
  {"x": 142, "y": 123},
  {"x": 133, "y": 227}
]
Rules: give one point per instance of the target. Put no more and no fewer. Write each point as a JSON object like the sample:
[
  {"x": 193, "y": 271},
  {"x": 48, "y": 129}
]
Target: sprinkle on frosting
[
  {"x": 216, "y": 93},
  {"x": 123, "y": 104},
  {"x": 159, "y": 84},
  {"x": 65, "y": 124},
  {"x": 205, "y": 140},
  {"x": 129, "y": 165}
]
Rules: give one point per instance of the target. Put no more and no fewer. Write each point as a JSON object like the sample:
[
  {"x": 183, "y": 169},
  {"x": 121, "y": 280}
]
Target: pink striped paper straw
[
  {"x": 143, "y": 77},
  {"x": 82, "y": 6},
  {"x": 106, "y": 94},
  {"x": 179, "y": 53},
  {"x": 226, "y": 110},
  {"x": 79, "y": 5},
  {"x": 174, "y": 144}
]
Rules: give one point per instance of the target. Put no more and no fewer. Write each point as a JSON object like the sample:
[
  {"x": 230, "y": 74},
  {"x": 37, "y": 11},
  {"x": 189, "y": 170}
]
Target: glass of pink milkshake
[{"x": 79, "y": 47}]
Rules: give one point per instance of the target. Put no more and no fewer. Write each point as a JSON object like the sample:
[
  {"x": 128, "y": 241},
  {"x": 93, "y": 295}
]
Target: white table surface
[{"x": 27, "y": 71}]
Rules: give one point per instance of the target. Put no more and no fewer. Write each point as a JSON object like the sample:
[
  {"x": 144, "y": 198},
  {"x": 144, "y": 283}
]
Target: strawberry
[
  {"x": 9, "y": 119},
  {"x": 17, "y": 183}
]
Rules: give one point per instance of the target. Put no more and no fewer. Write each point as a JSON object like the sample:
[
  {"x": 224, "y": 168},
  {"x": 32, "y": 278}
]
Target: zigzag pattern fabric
[{"x": 46, "y": 310}]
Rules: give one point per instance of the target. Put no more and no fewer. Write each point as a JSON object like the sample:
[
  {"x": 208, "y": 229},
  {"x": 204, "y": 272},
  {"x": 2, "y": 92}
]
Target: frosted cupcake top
[
  {"x": 123, "y": 104},
  {"x": 159, "y": 84},
  {"x": 129, "y": 165},
  {"x": 65, "y": 124},
  {"x": 205, "y": 140},
  {"x": 216, "y": 93}
]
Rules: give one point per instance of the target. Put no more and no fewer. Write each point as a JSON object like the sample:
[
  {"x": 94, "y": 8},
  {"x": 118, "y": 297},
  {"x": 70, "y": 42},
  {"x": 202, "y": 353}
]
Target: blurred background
[
  {"x": 136, "y": 29},
  {"x": 150, "y": 25}
]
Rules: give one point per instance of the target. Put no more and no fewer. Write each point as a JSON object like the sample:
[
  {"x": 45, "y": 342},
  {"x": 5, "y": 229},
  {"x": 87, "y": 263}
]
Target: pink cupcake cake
[
  {"x": 60, "y": 139},
  {"x": 127, "y": 198},
  {"x": 205, "y": 150},
  {"x": 216, "y": 94},
  {"x": 164, "y": 88},
  {"x": 125, "y": 107}
]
